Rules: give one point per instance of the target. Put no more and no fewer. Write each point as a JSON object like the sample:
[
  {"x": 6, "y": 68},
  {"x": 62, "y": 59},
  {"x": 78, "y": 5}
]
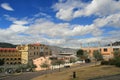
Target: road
[{"x": 30, "y": 75}]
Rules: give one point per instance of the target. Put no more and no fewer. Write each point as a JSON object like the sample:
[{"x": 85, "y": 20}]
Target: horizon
[{"x": 64, "y": 23}]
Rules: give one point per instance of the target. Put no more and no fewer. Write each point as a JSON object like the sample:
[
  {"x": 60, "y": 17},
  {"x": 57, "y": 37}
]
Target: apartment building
[
  {"x": 10, "y": 56},
  {"x": 107, "y": 51},
  {"x": 30, "y": 52},
  {"x": 24, "y": 54}
]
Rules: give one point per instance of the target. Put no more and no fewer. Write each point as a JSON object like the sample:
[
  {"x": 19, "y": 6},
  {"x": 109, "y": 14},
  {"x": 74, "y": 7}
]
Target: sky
[{"x": 64, "y": 23}]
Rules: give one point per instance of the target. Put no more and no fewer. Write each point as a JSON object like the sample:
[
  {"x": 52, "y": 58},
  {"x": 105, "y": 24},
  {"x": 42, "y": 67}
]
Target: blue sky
[{"x": 65, "y": 23}]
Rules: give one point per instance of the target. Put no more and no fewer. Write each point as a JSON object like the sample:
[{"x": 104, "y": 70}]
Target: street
[{"x": 30, "y": 75}]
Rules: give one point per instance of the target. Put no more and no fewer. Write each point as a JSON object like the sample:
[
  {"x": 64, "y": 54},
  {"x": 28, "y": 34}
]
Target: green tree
[
  {"x": 57, "y": 62},
  {"x": 45, "y": 65},
  {"x": 117, "y": 54},
  {"x": 82, "y": 54},
  {"x": 72, "y": 60},
  {"x": 1, "y": 62},
  {"x": 97, "y": 55},
  {"x": 117, "y": 58}
]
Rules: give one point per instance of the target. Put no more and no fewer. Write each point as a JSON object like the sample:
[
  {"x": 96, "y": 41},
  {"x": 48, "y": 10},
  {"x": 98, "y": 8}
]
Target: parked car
[{"x": 67, "y": 66}]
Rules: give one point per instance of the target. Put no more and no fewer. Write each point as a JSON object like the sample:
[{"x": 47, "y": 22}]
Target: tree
[
  {"x": 58, "y": 62},
  {"x": 1, "y": 62},
  {"x": 72, "y": 60},
  {"x": 45, "y": 65},
  {"x": 82, "y": 54},
  {"x": 117, "y": 58},
  {"x": 117, "y": 54},
  {"x": 97, "y": 55}
]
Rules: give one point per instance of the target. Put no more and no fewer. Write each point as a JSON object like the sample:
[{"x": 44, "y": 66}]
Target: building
[
  {"x": 24, "y": 54},
  {"x": 10, "y": 56},
  {"x": 33, "y": 51},
  {"x": 40, "y": 61},
  {"x": 66, "y": 56},
  {"x": 107, "y": 51}
]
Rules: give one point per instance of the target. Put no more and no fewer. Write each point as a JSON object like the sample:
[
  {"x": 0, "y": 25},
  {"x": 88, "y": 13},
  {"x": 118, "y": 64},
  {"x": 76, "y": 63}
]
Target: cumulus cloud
[
  {"x": 75, "y": 8},
  {"x": 7, "y": 7},
  {"x": 111, "y": 20},
  {"x": 64, "y": 34}
]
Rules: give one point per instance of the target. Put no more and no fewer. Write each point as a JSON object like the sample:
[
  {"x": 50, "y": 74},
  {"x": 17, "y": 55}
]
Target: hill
[
  {"x": 6, "y": 45},
  {"x": 57, "y": 50}
]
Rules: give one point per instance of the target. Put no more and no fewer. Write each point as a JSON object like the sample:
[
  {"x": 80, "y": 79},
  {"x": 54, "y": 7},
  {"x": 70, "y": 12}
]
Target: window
[
  {"x": 19, "y": 58},
  {"x": 11, "y": 63},
  {"x": 7, "y": 59},
  {"x": 105, "y": 49}
]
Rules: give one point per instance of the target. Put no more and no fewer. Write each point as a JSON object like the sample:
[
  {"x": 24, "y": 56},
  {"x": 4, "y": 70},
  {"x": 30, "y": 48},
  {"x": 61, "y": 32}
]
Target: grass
[{"x": 83, "y": 73}]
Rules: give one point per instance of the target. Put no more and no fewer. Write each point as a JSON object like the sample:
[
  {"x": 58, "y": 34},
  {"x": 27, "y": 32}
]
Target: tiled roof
[{"x": 8, "y": 49}]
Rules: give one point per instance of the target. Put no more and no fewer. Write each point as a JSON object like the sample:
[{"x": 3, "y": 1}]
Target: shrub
[
  {"x": 112, "y": 61},
  {"x": 104, "y": 62},
  {"x": 117, "y": 63},
  {"x": 1, "y": 70}
]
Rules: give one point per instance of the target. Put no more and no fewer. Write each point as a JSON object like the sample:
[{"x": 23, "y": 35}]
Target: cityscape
[{"x": 59, "y": 40}]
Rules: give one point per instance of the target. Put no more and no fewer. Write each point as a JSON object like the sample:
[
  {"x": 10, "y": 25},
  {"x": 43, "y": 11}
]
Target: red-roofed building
[{"x": 10, "y": 56}]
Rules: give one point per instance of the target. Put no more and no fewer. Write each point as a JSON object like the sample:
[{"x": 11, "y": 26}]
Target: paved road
[{"x": 30, "y": 75}]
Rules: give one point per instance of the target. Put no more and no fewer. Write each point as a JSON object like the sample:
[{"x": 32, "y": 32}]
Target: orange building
[{"x": 107, "y": 51}]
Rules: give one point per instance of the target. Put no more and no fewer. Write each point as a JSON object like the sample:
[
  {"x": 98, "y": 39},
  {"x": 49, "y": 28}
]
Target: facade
[
  {"x": 24, "y": 54},
  {"x": 107, "y": 51},
  {"x": 66, "y": 56},
  {"x": 40, "y": 61},
  {"x": 10, "y": 56},
  {"x": 33, "y": 51}
]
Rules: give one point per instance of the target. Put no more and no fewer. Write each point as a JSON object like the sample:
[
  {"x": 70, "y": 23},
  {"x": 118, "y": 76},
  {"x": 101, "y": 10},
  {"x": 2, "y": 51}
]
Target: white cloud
[
  {"x": 51, "y": 29},
  {"x": 7, "y": 7},
  {"x": 48, "y": 32},
  {"x": 20, "y": 22},
  {"x": 75, "y": 8},
  {"x": 111, "y": 20}
]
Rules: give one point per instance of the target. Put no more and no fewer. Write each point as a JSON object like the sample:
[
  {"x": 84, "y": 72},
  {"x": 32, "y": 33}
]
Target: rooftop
[{"x": 8, "y": 49}]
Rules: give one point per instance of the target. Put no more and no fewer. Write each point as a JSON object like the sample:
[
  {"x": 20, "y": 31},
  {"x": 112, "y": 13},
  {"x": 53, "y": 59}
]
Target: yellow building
[
  {"x": 24, "y": 54},
  {"x": 33, "y": 51}
]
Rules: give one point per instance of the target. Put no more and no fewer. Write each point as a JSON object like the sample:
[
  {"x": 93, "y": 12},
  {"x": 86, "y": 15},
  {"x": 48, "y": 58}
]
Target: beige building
[
  {"x": 107, "y": 51},
  {"x": 40, "y": 61},
  {"x": 33, "y": 51},
  {"x": 66, "y": 56}
]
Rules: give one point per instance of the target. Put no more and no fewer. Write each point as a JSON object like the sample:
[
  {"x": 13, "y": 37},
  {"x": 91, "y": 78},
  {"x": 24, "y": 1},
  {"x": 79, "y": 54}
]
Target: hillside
[
  {"x": 6, "y": 45},
  {"x": 57, "y": 50}
]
